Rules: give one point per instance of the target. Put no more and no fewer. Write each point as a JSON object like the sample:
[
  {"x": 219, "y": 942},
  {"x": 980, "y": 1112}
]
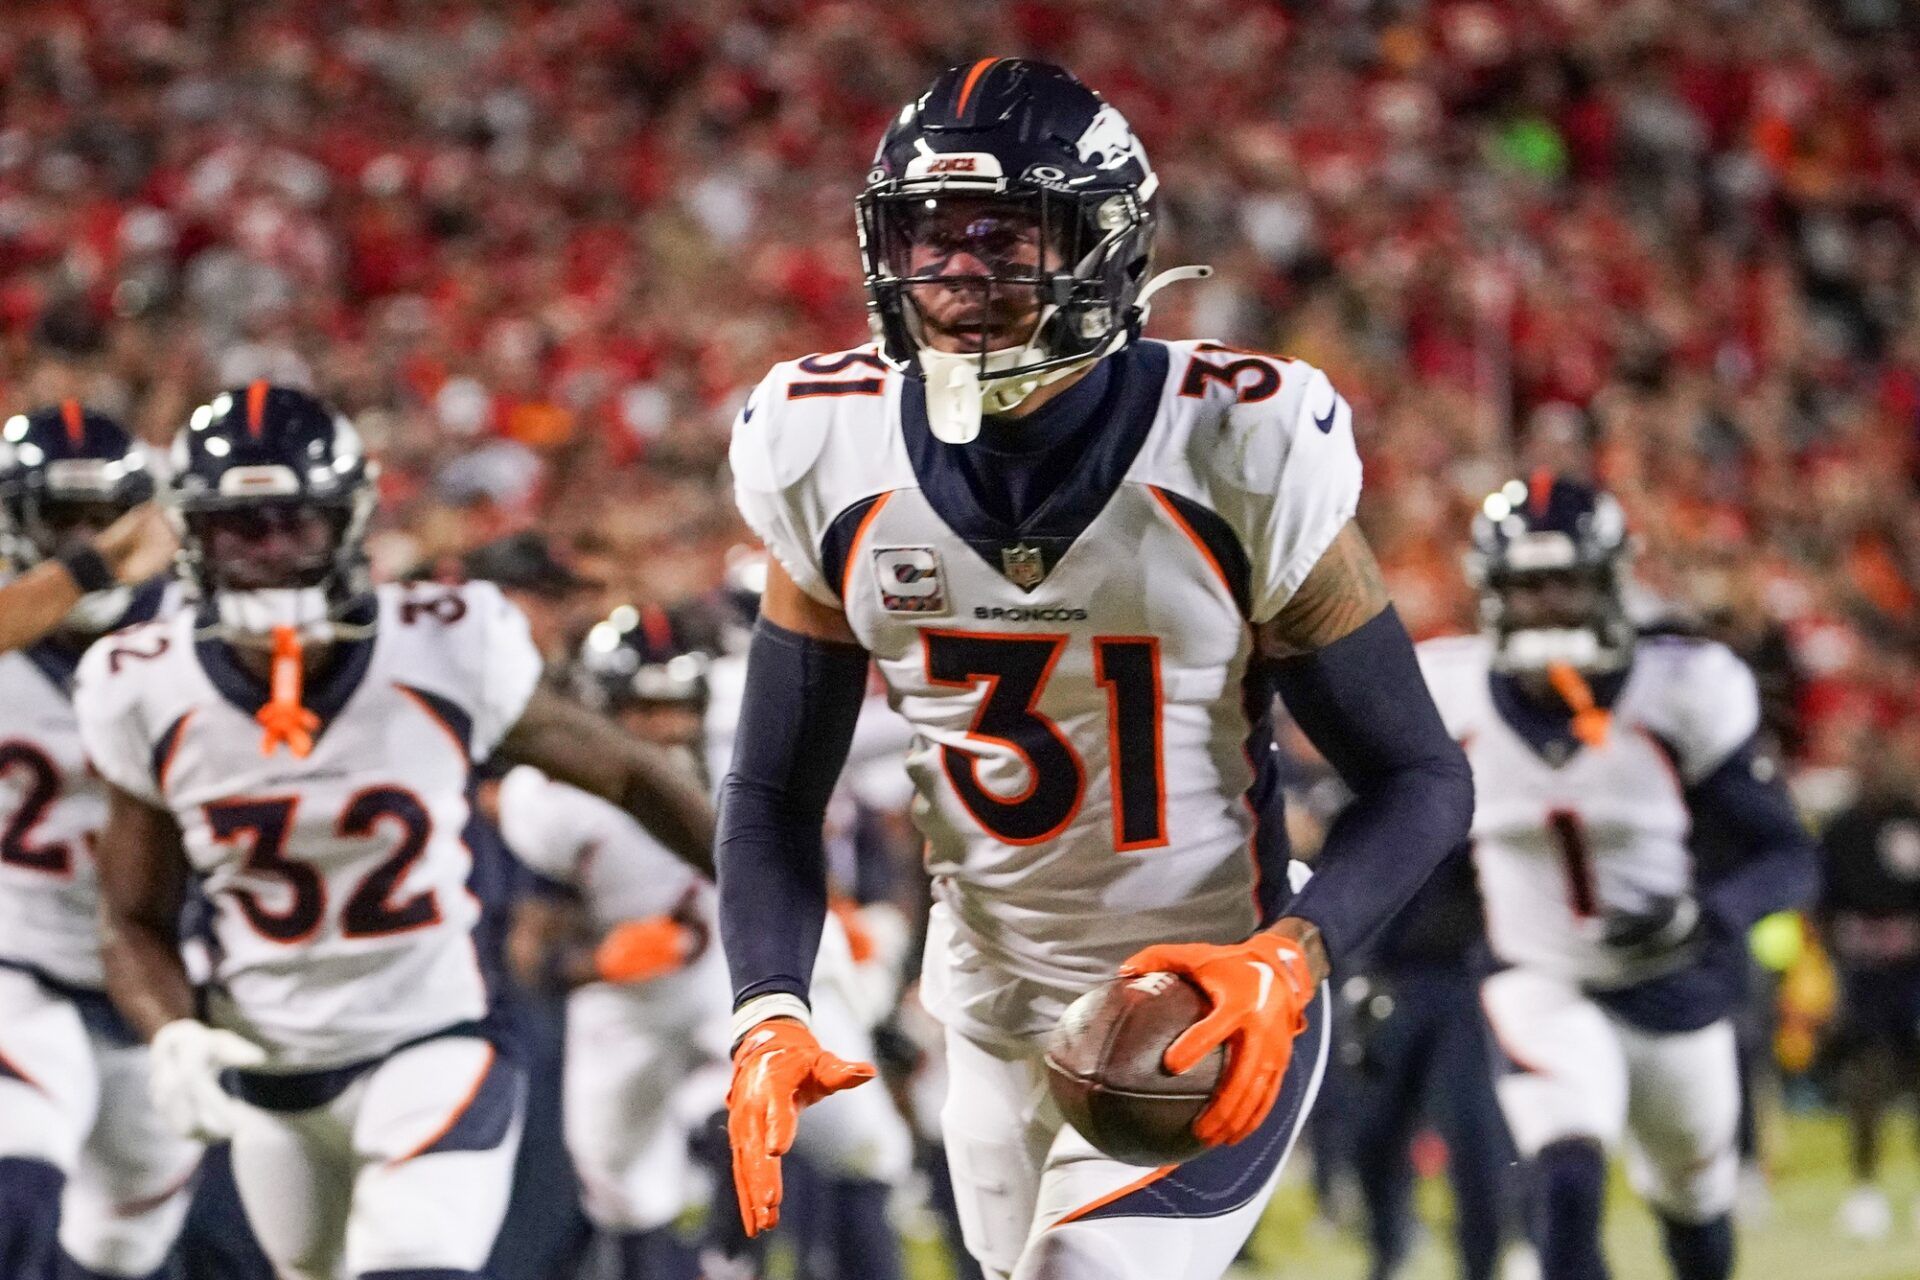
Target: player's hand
[
  {"x": 778, "y": 1070},
  {"x": 139, "y": 545},
  {"x": 184, "y": 1077},
  {"x": 1259, "y": 990},
  {"x": 1659, "y": 929},
  {"x": 641, "y": 950}
]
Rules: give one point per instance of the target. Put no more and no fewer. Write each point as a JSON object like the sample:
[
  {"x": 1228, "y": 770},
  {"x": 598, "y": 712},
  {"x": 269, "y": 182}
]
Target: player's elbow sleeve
[
  {"x": 1364, "y": 704},
  {"x": 802, "y": 698}
]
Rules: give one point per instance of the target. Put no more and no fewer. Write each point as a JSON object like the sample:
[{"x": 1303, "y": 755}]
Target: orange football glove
[
  {"x": 778, "y": 1070},
  {"x": 1259, "y": 990},
  {"x": 639, "y": 950}
]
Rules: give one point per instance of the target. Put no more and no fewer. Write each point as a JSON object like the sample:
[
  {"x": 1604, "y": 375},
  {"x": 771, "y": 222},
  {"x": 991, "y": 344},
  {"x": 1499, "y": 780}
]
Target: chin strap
[
  {"x": 958, "y": 396},
  {"x": 286, "y": 721},
  {"x": 1590, "y": 720}
]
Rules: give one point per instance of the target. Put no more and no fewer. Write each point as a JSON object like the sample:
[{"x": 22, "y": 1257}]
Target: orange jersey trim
[{"x": 853, "y": 548}]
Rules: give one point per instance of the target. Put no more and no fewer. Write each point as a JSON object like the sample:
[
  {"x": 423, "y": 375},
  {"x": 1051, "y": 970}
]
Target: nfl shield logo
[{"x": 1023, "y": 565}]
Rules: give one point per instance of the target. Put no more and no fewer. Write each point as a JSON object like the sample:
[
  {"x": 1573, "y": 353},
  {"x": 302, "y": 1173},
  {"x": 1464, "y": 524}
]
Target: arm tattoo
[{"x": 1343, "y": 591}]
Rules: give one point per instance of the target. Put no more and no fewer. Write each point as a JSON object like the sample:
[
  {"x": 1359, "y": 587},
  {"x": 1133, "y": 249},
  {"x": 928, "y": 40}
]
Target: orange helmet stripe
[
  {"x": 256, "y": 406},
  {"x": 966, "y": 86},
  {"x": 1540, "y": 491},
  {"x": 75, "y": 421}
]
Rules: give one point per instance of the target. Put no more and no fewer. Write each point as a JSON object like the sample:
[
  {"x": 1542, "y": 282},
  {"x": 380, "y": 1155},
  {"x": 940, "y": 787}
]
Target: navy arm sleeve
[
  {"x": 1364, "y": 705},
  {"x": 1754, "y": 857},
  {"x": 796, "y": 726}
]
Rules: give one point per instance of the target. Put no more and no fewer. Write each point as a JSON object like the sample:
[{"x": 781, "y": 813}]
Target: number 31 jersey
[
  {"x": 341, "y": 913},
  {"x": 1075, "y": 683}
]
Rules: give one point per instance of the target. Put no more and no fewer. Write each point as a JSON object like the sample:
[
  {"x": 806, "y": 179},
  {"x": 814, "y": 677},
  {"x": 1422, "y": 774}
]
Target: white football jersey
[
  {"x": 342, "y": 917},
  {"x": 1074, "y": 684},
  {"x": 1565, "y": 834},
  {"x": 621, "y": 873},
  {"x": 51, "y": 808}
]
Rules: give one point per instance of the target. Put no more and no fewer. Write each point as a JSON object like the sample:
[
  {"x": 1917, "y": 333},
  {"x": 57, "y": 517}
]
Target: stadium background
[{"x": 540, "y": 251}]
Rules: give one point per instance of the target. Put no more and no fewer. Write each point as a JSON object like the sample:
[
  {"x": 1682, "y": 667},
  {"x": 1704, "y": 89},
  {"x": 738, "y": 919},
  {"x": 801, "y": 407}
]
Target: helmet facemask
[
  {"x": 995, "y": 289},
  {"x": 78, "y": 499},
  {"x": 268, "y": 564}
]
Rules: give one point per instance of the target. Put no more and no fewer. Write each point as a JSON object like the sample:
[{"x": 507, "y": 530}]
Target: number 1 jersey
[
  {"x": 341, "y": 914},
  {"x": 1564, "y": 833},
  {"x": 1076, "y": 683}
]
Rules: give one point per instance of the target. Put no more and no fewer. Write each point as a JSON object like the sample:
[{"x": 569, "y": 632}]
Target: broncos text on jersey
[{"x": 1083, "y": 751}]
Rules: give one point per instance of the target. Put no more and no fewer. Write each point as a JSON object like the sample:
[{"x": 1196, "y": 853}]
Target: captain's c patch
[{"x": 910, "y": 579}]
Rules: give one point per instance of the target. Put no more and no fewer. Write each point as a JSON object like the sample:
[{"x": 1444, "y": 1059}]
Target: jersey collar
[
  {"x": 324, "y": 696},
  {"x": 1118, "y": 425},
  {"x": 1548, "y": 727}
]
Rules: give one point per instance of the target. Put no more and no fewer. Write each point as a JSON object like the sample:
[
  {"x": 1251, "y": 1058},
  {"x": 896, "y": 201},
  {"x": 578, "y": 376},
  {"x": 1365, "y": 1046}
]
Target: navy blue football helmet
[
  {"x": 253, "y": 463},
  {"x": 647, "y": 656},
  {"x": 1553, "y": 534},
  {"x": 67, "y": 472},
  {"x": 63, "y": 466},
  {"x": 1025, "y": 138}
]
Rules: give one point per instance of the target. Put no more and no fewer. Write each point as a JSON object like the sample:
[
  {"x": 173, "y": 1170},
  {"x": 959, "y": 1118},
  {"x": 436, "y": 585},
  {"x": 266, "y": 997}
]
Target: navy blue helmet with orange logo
[
  {"x": 1029, "y": 137},
  {"x": 252, "y": 466},
  {"x": 64, "y": 467},
  {"x": 1553, "y": 534},
  {"x": 645, "y": 656}
]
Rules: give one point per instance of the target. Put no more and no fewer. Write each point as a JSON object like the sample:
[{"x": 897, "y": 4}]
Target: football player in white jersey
[
  {"x": 1083, "y": 562},
  {"x": 647, "y": 1033},
  {"x": 78, "y": 1145},
  {"x": 1627, "y": 832},
  {"x": 302, "y": 746},
  {"x": 626, "y": 928}
]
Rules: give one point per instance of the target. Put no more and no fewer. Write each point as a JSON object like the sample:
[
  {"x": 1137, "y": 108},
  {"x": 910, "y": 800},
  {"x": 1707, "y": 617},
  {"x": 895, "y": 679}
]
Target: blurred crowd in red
[{"x": 542, "y": 250}]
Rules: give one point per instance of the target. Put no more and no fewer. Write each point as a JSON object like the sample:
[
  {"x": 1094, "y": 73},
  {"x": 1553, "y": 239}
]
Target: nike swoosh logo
[
  {"x": 1266, "y": 983},
  {"x": 1326, "y": 424}
]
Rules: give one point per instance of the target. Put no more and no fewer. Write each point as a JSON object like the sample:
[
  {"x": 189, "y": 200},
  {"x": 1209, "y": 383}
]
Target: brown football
[{"x": 1104, "y": 1068}]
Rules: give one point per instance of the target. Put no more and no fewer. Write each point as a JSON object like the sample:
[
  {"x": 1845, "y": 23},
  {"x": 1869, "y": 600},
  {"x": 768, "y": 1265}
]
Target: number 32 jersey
[
  {"x": 341, "y": 913},
  {"x": 1075, "y": 683}
]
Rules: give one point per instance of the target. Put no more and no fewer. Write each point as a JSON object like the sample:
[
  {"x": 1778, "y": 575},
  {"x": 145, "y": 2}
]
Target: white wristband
[{"x": 775, "y": 1004}]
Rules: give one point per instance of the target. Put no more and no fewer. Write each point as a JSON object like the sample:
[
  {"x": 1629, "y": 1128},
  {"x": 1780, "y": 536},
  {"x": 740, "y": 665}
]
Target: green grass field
[{"x": 1796, "y": 1240}]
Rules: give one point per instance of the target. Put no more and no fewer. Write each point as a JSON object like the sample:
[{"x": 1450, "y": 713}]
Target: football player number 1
[
  {"x": 370, "y": 911},
  {"x": 1015, "y": 670}
]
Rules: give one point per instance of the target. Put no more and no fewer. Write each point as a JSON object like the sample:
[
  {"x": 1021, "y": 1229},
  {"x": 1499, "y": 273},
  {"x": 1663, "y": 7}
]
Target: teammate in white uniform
[
  {"x": 1626, "y": 834},
  {"x": 77, "y": 1142},
  {"x": 647, "y": 1028},
  {"x": 1082, "y": 563},
  {"x": 303, "y": 744}
]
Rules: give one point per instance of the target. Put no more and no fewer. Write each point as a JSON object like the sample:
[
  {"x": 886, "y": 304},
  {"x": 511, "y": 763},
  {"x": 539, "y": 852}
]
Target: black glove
[{"x": 1660, "y": 928}]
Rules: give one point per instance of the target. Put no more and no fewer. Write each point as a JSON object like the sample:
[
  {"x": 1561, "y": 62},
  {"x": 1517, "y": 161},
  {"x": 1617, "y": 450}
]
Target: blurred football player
[
  {"x": 301, "y": 744},
  {"x": 1606, "y": 766},
  {"x": 1082, "y": 561},
  {"x": 626, "y": 927},
  {"x": 631, "y": 929},
  {"x": 1417, "y": 1053},
  {"x": 1869, "y": 920},
  {"x": 86, "y": 543}
]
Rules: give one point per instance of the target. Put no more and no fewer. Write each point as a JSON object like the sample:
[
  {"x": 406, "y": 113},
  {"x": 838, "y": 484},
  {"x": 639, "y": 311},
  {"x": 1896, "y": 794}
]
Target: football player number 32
[
  {"x": 301, "y": 901},
  {"x": 1015, "y": 670}
]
